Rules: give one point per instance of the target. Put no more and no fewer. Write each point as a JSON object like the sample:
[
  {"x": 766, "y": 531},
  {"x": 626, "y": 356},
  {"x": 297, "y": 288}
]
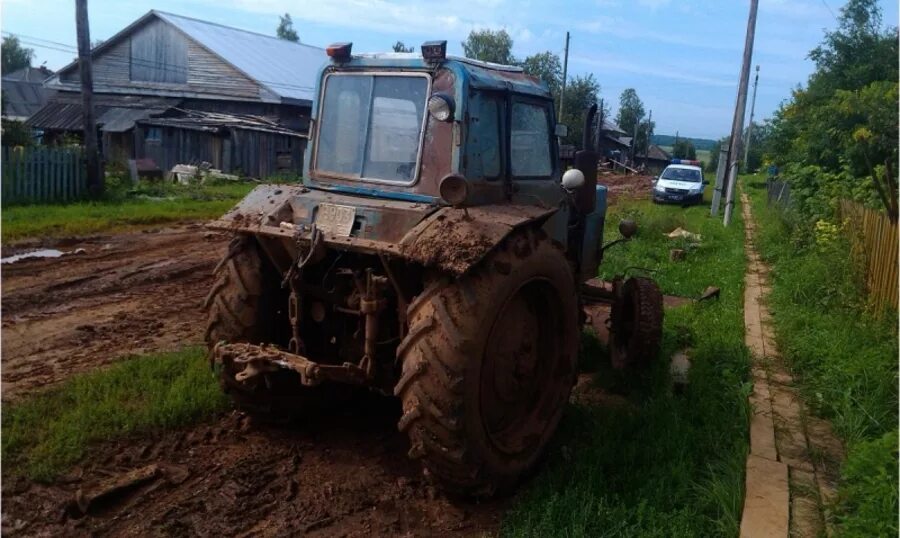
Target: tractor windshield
[{"x": 370, "y": 126}]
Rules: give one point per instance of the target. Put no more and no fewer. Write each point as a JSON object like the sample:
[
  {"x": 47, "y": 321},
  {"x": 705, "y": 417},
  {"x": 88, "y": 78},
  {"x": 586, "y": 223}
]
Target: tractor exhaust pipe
[{"x": 586, "y": 162}]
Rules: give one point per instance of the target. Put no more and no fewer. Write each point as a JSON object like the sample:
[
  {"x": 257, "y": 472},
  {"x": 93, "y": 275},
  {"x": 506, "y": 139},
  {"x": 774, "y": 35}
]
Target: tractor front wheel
[
  {"x": 488, "y": 365},
  {"x": 636, "y": 323}
]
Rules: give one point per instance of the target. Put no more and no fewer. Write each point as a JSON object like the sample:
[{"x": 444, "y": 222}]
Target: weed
[
  {"x": 45, "y": 434},
  {"x": 123, "y": 207},
  {"x": 844, "y": 361},
  {"x": 665, "y": 464}
]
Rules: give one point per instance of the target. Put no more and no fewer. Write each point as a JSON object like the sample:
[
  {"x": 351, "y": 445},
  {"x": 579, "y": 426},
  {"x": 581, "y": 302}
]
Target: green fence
[{"x": 42, "y": 174}]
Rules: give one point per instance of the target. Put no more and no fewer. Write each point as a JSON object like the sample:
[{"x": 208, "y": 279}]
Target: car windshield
[
  {"x": 691, "y": 175},
  {"x": 370, "y": 126}
]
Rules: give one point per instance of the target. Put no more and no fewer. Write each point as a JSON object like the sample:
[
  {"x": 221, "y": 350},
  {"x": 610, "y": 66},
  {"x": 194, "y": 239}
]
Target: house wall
[
  {"x": 166, "y": 61},
  {"x": 249, "y": 153}
]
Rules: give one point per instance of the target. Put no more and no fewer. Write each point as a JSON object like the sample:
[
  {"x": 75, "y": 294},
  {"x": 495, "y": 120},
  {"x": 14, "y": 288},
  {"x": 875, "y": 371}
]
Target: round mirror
[{"x": 572, "y": 179}]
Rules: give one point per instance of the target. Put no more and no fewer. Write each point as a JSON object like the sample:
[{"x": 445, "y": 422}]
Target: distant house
[
  {"x": 23, "y": 92},
  {"x": 655, "y": 160},
  {"x": 179, "y": 90}
]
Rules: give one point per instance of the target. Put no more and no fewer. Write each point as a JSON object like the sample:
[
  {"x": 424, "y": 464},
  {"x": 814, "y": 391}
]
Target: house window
[{"x": 153, "y": 134}]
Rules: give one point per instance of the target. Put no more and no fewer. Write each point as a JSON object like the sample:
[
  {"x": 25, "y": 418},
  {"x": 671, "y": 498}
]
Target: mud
[
  {"x": 625, "y": 186},
  {"x": 125, "y": 294},
  {"x": 344, "y": 474}
]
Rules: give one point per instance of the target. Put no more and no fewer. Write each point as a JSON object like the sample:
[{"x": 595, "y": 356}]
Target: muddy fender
[{"x": 455, "y": 240}]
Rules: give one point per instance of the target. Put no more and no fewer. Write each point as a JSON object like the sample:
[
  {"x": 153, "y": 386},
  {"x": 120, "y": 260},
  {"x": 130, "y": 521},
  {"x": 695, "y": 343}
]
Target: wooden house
[{"x": 174, "y": 90}]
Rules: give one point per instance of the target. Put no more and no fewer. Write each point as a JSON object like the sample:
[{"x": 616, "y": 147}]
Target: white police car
[{"x": 681, "y": 182}]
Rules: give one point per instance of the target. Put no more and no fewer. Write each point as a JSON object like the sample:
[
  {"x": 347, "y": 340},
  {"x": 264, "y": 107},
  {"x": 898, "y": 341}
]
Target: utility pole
[
  {"x": 92, "y": 154},
  {"x": 647, "y": 147},
  {"x": 750, "y": 125},
  {"x": 562, "y": 94},
  {"x": 741, "y": 106}
]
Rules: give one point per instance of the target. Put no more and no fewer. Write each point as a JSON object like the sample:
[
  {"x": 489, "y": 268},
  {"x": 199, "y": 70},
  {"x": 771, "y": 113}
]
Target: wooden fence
[
  {"x": 877, "y": 243},
  {"x": 42, "y": 174}
]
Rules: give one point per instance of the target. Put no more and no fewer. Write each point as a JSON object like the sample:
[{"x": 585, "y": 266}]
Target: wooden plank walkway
[{"x": 786, "y": 487}]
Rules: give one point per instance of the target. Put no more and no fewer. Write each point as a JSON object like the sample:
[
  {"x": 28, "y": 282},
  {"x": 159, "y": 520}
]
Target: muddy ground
[
  {"x": 125, "y": 294},
  {"x": 624, "y": 187},
  {"x": 343, "y": 474}
]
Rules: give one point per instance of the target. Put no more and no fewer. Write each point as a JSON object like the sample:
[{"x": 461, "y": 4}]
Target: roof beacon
[
  {"x": 339, "y": 52},
  {"x": 685, "y": 161},
  {"x": 434, "y": 51}
]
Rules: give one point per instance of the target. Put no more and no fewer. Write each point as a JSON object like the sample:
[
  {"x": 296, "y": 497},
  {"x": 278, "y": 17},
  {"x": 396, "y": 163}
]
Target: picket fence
[{"x": 42, "y": 174}]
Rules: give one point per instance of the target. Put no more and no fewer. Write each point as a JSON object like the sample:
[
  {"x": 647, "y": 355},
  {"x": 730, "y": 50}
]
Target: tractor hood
[{"x": 446, "y": 238}]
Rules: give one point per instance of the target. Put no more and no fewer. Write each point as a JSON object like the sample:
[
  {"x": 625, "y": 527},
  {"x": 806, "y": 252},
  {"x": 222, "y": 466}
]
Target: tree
[
  {"x": 285, "y": 29},
  {"x": 547, "y": 67},
  {"x": 399, "y": 46},
  {"x": 631, "y": 110},
  {"x": 14, "y": 55},
  {"x": 489, "y": 46},
  {"x": 684, "y": 149},
  {"x": 581, "y": 92},
  {"x": 837, "y": 138}
]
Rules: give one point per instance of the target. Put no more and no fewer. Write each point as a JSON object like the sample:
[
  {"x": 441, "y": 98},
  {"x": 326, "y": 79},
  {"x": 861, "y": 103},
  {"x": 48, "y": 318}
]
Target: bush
[{"x": 868, "y": 497}]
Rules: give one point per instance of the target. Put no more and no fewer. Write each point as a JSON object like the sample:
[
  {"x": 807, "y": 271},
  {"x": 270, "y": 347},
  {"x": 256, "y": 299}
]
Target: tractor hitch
[{"x": 250, "y": 361}]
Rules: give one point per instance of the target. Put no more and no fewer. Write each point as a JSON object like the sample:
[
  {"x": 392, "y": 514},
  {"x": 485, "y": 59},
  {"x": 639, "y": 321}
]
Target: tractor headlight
[{"x": 440, "y": 106}]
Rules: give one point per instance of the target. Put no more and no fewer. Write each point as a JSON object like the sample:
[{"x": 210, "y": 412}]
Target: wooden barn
[{"x": 175, "y": 90}]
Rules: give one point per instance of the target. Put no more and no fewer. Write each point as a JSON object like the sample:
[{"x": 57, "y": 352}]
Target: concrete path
[{"x": 786, "y": 486}]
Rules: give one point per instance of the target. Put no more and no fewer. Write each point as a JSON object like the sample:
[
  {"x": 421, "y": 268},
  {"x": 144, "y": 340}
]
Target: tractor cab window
[
  {"x": 371, "y": 126},
  {"x": 530, "y": 141},
  {"x": 484, "y": 155}
]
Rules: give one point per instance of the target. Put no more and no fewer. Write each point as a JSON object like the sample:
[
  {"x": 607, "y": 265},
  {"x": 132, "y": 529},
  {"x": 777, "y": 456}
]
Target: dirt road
[
  {"x": 125, "y": 294},
  {"x": 344, "y": 474}
]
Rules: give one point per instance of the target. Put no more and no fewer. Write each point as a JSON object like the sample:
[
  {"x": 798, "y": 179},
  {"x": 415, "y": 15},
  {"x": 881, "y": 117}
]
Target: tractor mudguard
[
  {"x": 456, "y": 239},
  {"x": 445, "y": 238}
]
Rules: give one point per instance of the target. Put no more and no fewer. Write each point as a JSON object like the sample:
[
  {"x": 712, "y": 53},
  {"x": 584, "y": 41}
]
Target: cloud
[{"x": 655, "y": 69}]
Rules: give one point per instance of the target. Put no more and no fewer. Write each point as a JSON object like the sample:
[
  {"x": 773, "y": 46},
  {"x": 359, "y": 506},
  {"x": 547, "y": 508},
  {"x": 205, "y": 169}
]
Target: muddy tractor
[{"x": 434, "y": 252}]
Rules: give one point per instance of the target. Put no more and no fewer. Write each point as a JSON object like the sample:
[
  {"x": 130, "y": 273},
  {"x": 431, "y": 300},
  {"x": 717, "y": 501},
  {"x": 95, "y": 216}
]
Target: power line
[{"x": 824, "y": 3}]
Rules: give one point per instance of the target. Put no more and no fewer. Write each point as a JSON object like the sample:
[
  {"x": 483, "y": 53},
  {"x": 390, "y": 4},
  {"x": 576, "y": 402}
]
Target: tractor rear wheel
[
  {"x": 636, "y": 323},
  {"x": 247, "y": 304},
  {"x": 488, "y": 366}
]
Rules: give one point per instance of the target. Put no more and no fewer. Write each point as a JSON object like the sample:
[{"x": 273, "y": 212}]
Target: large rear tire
[
  {"x": 636, "y": 323},
  {"x": 247, "y": 304},
  {"x": 488, "y": 366}
]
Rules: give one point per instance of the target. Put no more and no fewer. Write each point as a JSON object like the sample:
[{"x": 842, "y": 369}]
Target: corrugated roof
[
  {"x": 113, "y": 113},
  {"x": 288, "y": 69},
  {"x": 22, "y": 99}
]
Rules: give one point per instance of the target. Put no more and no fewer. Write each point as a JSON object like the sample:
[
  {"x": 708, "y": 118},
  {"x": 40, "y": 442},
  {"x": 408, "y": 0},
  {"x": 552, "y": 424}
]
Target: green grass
[
  {"x": 45, "y": 434},
  {"x": 667, "y": 464},
  {"x": 121, "y": 208},
  {"x": 844, "y": 360}
]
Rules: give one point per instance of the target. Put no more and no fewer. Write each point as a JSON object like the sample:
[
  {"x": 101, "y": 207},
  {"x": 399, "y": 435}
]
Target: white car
[{"x": 681, "y": 182}]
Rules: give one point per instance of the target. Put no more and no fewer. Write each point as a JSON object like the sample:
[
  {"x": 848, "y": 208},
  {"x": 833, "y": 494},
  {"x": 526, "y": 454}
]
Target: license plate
[{"x": 335, "y": 219}]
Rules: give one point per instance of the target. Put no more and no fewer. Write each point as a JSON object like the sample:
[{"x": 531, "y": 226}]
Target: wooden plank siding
[
  {"x": 237, "y": 151},
  {"x": 874, "y": 240},
  {"x": 157, "y": 48}
]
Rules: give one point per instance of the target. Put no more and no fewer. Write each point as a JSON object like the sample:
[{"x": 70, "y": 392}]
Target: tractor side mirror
[
  {"x": 562, "y": 130},
  {"x": 572, "y": 179},
  {"x": 627, "y": 228}
]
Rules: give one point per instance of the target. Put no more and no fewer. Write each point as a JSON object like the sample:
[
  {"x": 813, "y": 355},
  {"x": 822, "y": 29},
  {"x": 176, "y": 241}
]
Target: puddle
[{"x": 43, "y": 253}]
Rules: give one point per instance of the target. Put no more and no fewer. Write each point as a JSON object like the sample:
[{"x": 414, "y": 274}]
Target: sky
[{"x": 682, "y": 56}]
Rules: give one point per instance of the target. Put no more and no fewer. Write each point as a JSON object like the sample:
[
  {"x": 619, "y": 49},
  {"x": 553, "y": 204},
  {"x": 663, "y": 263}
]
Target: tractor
[{"x": 434, "y": 252}]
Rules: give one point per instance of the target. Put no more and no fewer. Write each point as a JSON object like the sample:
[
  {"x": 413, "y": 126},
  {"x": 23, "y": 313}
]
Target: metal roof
[
  {"x": 113, "y": 113},
  {"x": 22, "y": 99},
  {"x": 288, "y": 69}
]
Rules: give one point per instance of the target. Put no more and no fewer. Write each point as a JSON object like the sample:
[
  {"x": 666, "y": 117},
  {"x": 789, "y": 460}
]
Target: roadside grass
[
  {"x": 45, "y": 434},
  {"x": 658, "y": 463},
  {"x": 844, "y": 360},
  {"x": 121, "y": 208}
]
